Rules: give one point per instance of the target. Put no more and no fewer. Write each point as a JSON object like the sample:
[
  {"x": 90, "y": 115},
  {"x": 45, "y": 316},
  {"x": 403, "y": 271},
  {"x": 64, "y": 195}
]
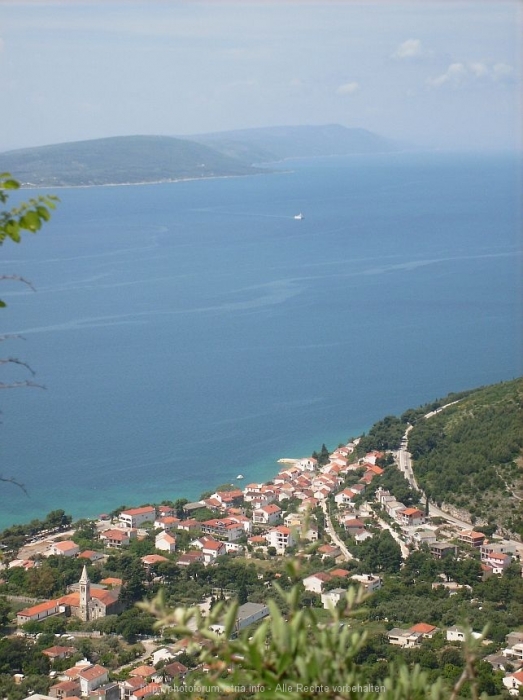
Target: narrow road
[
  {"x": 404, "y": 462},
  {"x": 404, "y": 549},
  {"x": 332, "y": 534}
]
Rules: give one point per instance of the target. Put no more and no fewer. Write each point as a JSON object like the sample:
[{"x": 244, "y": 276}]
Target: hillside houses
[{"x": 342, "y": 489}]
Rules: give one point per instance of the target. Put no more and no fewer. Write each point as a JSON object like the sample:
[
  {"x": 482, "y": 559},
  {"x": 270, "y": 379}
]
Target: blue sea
[{"x": 191, "y": 331}]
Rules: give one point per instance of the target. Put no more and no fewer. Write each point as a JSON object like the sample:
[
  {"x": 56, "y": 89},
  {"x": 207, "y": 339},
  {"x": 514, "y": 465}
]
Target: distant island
[{"x": 146, "y": 159}]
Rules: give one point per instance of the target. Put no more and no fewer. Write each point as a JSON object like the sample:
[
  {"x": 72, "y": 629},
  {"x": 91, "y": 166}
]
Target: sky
[{"x": 442, "y": 74}]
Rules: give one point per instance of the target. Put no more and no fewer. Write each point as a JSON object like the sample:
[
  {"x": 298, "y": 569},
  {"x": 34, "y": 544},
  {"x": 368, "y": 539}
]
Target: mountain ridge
[{"x": 146, "y": 159}]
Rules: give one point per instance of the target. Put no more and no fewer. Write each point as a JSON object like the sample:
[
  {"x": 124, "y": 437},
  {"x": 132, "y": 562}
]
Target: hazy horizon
[{"x": 436, "y": 75}]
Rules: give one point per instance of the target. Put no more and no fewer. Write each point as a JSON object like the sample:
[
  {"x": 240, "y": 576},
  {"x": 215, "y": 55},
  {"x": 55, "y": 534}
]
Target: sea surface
[{"x": 190, "y": 332}]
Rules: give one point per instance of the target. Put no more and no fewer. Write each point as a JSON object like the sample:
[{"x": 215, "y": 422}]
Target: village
[{"x": 324, "y": 510}]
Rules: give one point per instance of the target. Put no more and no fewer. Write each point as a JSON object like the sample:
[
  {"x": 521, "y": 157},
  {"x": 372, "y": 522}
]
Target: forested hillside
[
  {"x": 470, "y": 454},
  {"x": 120, "y": 160}
]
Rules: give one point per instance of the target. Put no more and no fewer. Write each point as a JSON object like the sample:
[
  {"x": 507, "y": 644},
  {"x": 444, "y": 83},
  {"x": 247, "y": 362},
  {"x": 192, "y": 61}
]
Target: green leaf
[
  {"x": 2, "y": 304},
  {"x": 30, "y": 221},
  {"x": 10, "y": 184},
  {"x": 43, "y": 213},
  {"x": 12, "y": 229}
]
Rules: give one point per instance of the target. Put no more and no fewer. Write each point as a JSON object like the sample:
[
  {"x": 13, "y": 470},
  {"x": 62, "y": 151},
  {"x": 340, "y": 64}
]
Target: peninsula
[{"x": 147, "y": 159}]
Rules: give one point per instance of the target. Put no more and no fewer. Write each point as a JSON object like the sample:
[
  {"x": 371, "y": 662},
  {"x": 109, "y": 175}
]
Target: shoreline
[
  {"x": 29, "y": 186},
  {"x": 260, "y": 471}
]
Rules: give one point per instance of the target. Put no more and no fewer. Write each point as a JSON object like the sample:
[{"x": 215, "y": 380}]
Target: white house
[
  {"x": 117, "y": 538},
  {"x": 330, "y": 599},
  {"x": 346, "y": 497},
  {"x": 165, "y": 542},
  {"x": 309, "y": 464},
  {"x": 404, "y": 638},
  {"x": 249, "y": 613},
  {"x": 316, "y": 582},
  {"x": 427, "y": 537},
  {"x": 513, "y": 682},
  {"x": 163, "y": 654},
  {"x": 498, "y": 562},
  {"x": 370, "y": 582},
  {"x": 266, "y": 515},
  {"x": 91, "y": 678},
  {"x": 281, "y": 538},
  {"x": 515, "y": 651},
  {"x": 134, "y": 517},
  {"x": 226, "y": 528},
  {"x": 210, "y": 548},
  {"x": 166, "y": 522},
  {"x": 457, "y": 634},
  {"x": 67, "y": 548},
  {"x": 412, "y": 517}
]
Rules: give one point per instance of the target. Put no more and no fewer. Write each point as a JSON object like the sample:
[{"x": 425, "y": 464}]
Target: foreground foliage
[
  {"x": 294, "y": 656},
  {"x": 27, "y": 216}
]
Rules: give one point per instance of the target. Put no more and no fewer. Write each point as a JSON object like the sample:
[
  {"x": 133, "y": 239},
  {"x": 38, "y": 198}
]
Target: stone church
[{"x": 90, "y": 602}]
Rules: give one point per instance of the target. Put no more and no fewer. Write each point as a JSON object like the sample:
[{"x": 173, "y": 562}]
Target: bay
[{"x": 188, "y": 332}]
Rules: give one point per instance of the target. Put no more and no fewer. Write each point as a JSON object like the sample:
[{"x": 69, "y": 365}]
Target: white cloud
[
  {"x": 454, "y": 75},
  {"x": 411, "y": 48},
  {"x": 458, "y": 74},
  {"x": 348, "y": 88}
]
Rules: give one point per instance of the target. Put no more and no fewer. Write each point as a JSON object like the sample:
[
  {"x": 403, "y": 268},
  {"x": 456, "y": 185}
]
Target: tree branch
[
  {"x": 18, "y": 278},
  {"x": 15, "y": 361},
  {"x": 16, "y": 385},
  {"x": 15, "y": 482}
]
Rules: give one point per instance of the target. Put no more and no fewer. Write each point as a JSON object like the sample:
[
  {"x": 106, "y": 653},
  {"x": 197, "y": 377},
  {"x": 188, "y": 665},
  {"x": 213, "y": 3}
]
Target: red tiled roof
[
  {"x": 153, "y": 559},
  {"x": 412, "y": 511},
  {"x": 321, "y": 575},
  {"x": 340, "y": 573},
  {"x": 65, "y": 545},
  {"x": 284, "y": 530},
  {"x": 104, "y": 596},
  {"x": 143, "y": 671},
  {"x": 472, "y": 534},
  {"x": 112, "y": 581},
  {"x": 65, "y": 686},
  {"x": 92, "y": 672},
  {"x": 58, "y": 651},
  {"x": 36, "y": 609},
  {"x": 138, "y": 511},
  {"x": 115, "y": 535},
  {"x": 423, "y": 627}
]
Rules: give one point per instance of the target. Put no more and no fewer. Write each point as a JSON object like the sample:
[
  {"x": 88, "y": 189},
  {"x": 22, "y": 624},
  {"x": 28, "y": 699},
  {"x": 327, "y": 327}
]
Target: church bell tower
[{"x": 85, "y": 595}]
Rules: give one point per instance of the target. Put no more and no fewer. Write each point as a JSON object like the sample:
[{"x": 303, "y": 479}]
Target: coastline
[
  {"x": 29, "y": 186},
  {"x": 89, "y": 504}
]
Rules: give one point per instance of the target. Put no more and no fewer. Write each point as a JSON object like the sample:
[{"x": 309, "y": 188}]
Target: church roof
[{"x": 104, "y": 596}]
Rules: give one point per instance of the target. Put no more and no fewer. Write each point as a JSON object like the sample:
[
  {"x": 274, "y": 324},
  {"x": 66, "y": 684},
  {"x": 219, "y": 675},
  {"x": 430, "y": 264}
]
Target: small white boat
[
  {"x": 299, "y": 216},
  {"x": 240, "y": 476}
]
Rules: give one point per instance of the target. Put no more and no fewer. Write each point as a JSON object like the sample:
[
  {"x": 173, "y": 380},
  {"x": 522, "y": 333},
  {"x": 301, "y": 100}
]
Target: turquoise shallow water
[{"x": 189, "y": 332}]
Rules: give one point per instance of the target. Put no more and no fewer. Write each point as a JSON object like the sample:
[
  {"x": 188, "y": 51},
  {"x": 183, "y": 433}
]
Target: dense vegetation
[
  {"x": 386, "y": 433},
  {"x": 466, "y": 455},
  {"x": 125, "y": 159}
]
